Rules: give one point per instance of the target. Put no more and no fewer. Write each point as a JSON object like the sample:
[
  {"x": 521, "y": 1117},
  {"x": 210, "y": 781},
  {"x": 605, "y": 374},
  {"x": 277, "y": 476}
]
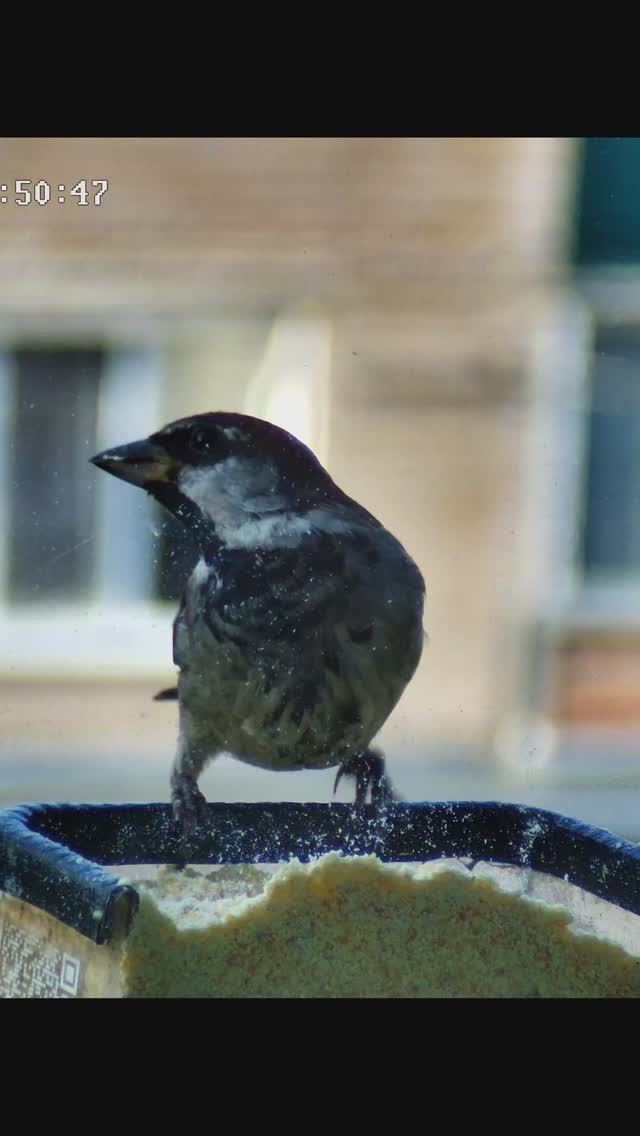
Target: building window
[
  {"x": 67, "y": 533},
  {"x": 51, "y": 514},
  {"x": 608, "y": 236},
  {"x": 588, "y": 657},
  {"x": 608, "y": 215},
  {"x": 77, "y": 548},
  {"x": 611, "y": 535}
]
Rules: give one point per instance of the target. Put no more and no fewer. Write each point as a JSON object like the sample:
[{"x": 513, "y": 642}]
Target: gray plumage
[{"x": 301, "y": 623}]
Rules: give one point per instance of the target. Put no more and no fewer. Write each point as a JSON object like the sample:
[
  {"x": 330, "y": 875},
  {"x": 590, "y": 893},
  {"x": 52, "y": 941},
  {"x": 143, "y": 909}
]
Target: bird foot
[{"x": 368, "y": 769}]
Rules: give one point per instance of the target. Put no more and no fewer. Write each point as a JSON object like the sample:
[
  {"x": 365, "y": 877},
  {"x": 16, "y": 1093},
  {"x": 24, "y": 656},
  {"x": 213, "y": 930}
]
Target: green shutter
[{"x": 608, "y": 212}]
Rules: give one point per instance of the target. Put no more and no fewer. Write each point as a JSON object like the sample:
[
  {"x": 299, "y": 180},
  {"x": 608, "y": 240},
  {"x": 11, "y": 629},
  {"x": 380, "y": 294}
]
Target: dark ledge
[{"x": 50, "y": 855}]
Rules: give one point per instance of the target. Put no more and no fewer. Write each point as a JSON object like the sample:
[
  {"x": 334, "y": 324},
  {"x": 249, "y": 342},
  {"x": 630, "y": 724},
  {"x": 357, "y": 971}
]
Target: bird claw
[
  {"x": 339, "y": 775},
  {"x": 368, "y": 769}
]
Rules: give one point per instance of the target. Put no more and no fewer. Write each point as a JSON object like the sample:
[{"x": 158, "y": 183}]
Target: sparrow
[{"x": 301, "y": 623}]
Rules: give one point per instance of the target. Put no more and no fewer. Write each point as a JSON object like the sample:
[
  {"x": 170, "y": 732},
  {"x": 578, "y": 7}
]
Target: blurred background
[{"x": 453, "y": 324}]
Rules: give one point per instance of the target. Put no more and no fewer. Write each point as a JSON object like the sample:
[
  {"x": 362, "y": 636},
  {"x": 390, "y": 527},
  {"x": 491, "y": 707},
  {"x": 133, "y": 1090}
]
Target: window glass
[
  {"x": 608, "y": 217},
  {"x": 52, "y": 434},
  {"x": 612, "y": 517}
]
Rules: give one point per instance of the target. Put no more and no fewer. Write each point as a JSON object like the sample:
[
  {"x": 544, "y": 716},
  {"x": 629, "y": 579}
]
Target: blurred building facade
[{"x": 429, "y": 314}]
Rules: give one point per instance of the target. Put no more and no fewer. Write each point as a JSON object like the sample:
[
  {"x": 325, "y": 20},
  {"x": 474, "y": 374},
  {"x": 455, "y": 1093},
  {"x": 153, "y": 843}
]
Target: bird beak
[{"x": 140, "y": 463}]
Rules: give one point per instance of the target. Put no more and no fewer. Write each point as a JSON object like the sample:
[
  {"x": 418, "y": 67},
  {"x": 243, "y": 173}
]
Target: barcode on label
[{"x": 31, "y": 968}]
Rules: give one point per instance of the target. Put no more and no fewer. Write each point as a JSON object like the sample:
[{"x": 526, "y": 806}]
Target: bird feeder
[{"x": 65, "y": 913}]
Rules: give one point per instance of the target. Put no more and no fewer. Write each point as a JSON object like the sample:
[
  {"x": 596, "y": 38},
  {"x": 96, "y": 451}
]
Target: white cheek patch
[
  {"x": 268, "y": 532},
  {"x": 208, "y": 486},
  {"x": 284, "y": 530},
  {"x": 222, "y": 493}
]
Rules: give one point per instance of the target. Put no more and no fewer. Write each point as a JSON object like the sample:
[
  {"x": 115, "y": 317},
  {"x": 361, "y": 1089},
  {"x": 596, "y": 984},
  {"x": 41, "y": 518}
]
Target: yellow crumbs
[{"x": 352, "y": 927}]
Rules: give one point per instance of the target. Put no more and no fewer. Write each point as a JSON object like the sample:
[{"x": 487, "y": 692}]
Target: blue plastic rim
[{"x": 52, "y": 855}]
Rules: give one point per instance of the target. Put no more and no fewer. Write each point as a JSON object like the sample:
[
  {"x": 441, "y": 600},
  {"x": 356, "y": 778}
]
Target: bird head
[{"x": 223, "y": 471}]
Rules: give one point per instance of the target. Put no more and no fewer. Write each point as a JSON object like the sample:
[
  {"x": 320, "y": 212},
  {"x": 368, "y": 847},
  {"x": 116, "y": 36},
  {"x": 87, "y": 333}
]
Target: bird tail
[{"x": 168, "y": 695}]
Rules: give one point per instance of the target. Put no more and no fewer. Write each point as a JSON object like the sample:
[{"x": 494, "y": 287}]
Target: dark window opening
[
  {"x": 608, "y": 207},
  {"x": 611, "y": 539},
  {"x": 52, "y": 507}
]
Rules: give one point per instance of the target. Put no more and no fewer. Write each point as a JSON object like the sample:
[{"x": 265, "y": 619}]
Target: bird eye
[{"x": 199, "y": 441}]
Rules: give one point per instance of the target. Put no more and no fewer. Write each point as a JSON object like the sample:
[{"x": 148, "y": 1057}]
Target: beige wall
[
  {"x": 191, "y": 226},
  {"x": 433, "y": 260}
]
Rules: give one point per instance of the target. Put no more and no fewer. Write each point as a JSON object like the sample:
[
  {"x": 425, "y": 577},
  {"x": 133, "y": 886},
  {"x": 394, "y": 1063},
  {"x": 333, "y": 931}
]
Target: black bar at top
[{"x": 50, "y": 855}]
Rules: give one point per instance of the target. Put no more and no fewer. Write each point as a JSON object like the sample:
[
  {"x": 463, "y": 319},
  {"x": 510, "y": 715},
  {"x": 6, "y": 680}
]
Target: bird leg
[
  {"x": 189, "y": 804},
  {"x": 368, "y": 770}
]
